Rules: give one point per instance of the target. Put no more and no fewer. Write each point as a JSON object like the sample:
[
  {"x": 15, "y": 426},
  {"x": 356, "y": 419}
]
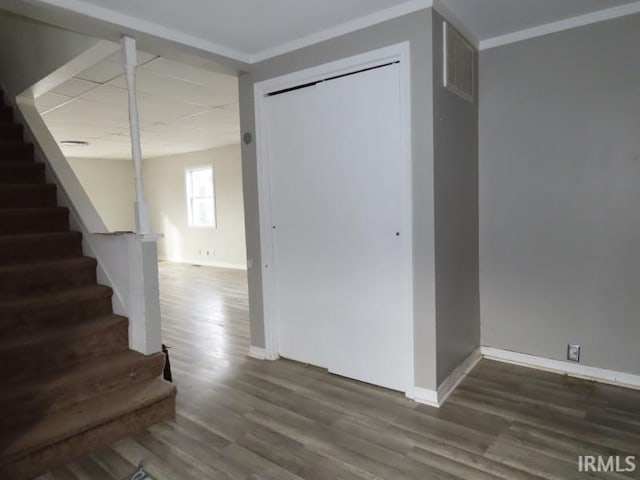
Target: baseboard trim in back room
[{"x": 204, "y": 262}]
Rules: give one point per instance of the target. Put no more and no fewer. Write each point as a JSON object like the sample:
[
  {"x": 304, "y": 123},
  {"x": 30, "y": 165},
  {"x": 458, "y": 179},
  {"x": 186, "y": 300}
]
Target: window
[{"x": 200, "y": 197}]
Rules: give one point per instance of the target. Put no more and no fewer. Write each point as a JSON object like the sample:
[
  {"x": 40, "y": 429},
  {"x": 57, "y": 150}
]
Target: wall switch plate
[{"x": 573, "y": 353}]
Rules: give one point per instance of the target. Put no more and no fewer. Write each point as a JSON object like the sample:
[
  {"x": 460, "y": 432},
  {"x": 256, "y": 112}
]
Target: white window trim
[{"x": 187, "y": 179}]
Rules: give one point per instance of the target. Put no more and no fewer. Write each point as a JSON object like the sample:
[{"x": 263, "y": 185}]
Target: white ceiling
[
  {"x": 182, "y": 109},
  {"x": 247, "y": 26},
  {"x": 252, "y": 30}
]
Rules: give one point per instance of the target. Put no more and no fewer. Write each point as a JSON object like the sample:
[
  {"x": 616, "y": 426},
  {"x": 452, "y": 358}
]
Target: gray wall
[
  {"x": 415, "y": 28},
  {"x": 29, "y": 51},
  {"x": 455, "y": 144},
  {"x": 560, "y": 195}
]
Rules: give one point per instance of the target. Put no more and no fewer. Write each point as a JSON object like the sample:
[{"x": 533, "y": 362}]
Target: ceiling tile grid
[{"x": 182, "y": 109}]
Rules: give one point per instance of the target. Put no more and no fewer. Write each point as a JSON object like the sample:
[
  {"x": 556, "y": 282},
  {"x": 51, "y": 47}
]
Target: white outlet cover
[{"x": 573, "y": 353}]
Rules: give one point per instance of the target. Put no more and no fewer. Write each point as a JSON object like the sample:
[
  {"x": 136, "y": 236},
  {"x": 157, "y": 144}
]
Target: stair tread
[
  {"x": 29, "y": 185},
  {"x": 84, "y": 416},
  {"x": 39, "y": 236},
  {"x": 54, "y": 334},
  {"x": 22, "y": 211},
  {"x": 64, "y": 296},
  {"x": 21, "y": 164},
  {"x": 75, "y": 374},
  {"x": 4, "y": 269}
]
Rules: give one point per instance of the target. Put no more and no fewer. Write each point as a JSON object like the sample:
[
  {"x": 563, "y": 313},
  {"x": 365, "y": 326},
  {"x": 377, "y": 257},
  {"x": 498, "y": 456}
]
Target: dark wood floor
[{"x": 240, "y": 418}]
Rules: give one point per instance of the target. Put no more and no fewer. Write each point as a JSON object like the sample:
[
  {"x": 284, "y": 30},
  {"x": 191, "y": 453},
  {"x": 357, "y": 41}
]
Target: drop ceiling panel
[
  {"x": 74, "y": 87},
  {"x": 150, "y": 83},
  {"x": 102, "y": 72},
  {"x": 143, "y": 57},
  {"x": 81, "y": 112},
  {"x": 182, "y": 109},
  {"x": 187, "y": 73},
  {"x": 50, "y": 100}
]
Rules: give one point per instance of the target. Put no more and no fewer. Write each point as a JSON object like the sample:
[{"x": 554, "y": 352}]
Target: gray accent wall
[
  {"x": 415, "y": 28},
  {"x": 455, "y": 144},
  {"x": 560, "y": 195},
  {"x": 29, "y": 51}
]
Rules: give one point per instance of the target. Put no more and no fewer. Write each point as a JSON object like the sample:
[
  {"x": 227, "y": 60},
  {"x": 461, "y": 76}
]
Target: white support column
[{"x": 130, "y": 63}]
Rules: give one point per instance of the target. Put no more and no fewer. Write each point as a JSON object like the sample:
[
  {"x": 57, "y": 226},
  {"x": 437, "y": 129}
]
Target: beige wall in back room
[
  {"x": 109, "y": 185},
  {"x": 165, "y": 190}
]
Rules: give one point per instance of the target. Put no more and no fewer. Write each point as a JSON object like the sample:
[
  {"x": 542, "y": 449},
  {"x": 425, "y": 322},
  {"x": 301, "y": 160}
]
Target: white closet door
[
  {"x": 368, "y": 327},
  {"x": 340, "y": 259},
  {"x": 298, "y": 209}
]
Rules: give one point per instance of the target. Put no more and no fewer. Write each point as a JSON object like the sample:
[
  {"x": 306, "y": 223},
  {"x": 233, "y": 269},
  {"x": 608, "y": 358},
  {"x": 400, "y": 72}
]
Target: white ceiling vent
[{"x": 458, "y": 63}]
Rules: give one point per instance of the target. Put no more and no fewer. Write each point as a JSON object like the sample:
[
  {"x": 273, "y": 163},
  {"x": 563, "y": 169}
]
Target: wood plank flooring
[{"x": 240, "y": 418}]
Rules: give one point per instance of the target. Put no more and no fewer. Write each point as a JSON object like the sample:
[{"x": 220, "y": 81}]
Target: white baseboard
[
  {"x": 457, "y": 375},
  {"x": 576, "y": 370},
  {"x": 258, "y": 353},
  {"x": 436, "y": 398},
  {"x": 204, "y": 262},
  {"x": 424, "y": 396}
]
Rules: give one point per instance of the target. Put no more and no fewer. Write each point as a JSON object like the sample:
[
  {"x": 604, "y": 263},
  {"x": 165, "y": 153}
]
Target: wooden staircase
[{"x": 69, "y": 383}]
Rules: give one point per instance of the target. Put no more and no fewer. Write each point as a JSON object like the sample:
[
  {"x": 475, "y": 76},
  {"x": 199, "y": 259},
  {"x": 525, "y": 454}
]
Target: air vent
[
  {"x": 74, "y": 143},
  {"x": 458, "y": 68}
]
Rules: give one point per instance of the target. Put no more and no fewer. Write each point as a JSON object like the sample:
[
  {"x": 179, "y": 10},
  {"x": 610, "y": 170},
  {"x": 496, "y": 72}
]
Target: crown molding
[
  {"x": 560, "y": 25},
  {"x": 344, "y": 28},
  {"x": 143, "y": 26}
]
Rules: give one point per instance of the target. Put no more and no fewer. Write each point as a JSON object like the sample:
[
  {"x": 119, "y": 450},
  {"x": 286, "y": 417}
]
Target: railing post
[{"x": 130, "y": 63}]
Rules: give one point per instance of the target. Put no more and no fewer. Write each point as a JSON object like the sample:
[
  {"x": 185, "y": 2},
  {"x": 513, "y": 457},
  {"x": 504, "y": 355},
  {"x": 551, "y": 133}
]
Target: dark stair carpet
[{"x": 70, "y": 383}]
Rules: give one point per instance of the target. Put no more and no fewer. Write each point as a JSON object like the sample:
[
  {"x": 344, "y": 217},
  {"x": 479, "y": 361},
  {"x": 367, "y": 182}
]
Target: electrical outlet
[{"x": 573, "y": 353}]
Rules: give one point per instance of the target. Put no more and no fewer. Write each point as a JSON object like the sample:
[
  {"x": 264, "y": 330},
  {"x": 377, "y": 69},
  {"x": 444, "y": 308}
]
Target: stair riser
[
  {"x": 6, "y": 114},
  {"x": 21, "y": 250},
  {"x": 34, "y": 281},
  {"x": 56, "y": 398},
  {"x": 46, "y": 221},
  {"x": 35, "y": 359},
  {"x": 39, "y": 462},
  {"x": 27, "y": 196},
  {"x": 22, "y": 152},
  {"x": 11, "y": 133},
  {"x": 15, "y": 320},
  {"x": 23, "y": 172}
]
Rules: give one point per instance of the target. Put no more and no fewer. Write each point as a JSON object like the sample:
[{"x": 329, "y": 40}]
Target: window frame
[{"x": 188, "y": 171}]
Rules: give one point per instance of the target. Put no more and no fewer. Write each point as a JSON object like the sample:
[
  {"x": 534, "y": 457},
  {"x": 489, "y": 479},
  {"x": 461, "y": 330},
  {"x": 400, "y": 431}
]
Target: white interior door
[
  {"x": 297, "y": 209},
  {"x": 338, "y": 183}
]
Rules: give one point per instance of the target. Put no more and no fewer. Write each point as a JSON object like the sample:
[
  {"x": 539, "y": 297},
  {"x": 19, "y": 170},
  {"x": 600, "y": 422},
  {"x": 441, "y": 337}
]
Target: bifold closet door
[{"x": 337, "y": 184}]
